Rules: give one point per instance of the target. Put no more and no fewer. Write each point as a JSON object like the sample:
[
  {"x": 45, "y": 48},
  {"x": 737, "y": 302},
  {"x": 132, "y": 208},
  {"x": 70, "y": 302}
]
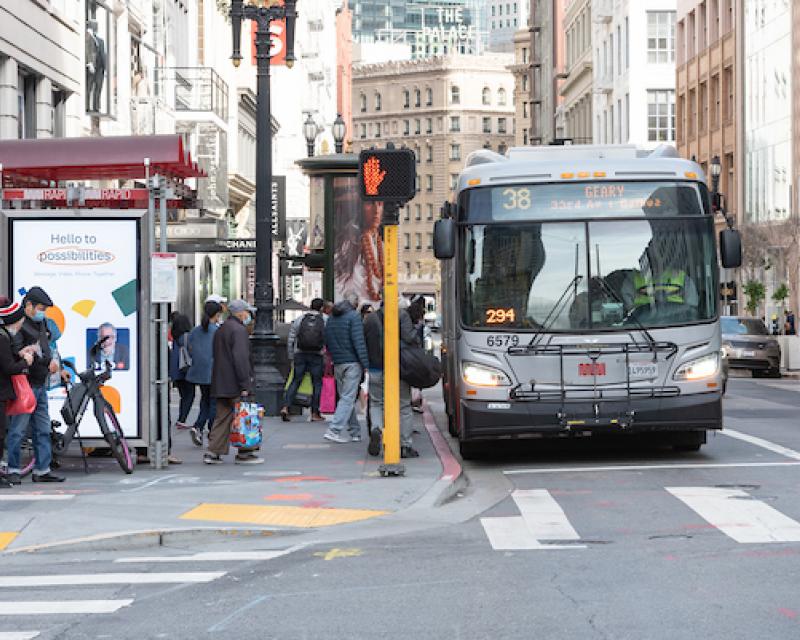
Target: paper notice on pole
[{"x": 164, "y": 277}]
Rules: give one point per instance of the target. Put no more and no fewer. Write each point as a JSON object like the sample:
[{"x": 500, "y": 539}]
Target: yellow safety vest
[{"x": 670, "y": 283}]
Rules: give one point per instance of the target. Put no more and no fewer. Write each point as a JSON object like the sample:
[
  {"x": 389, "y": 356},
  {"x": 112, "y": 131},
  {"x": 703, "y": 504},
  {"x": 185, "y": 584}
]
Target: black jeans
[
  {"x": 311, "y": 363},
  {"x": 186, "y": 391},
  {"x": 208, "y": 409}
]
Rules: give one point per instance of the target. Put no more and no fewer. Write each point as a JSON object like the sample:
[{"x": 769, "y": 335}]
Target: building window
[
  {"x": 406, "y": 214},
  {"x": 661, "y": 116},
  {"x": 455, "y": 95},
  {"x": 525, "y": 83},
  {"x": 453, "y": 181},
  {"x": 455, "y": 152},
  {"x": 703, "y": 108},
  {"x": 660, "y": 37},
  {"x": 59, "y": 116},
  {"x": 428, "y": 97},
  {"x": 487, "y": 96},
  {"x": 417, "y": 97},
  {"x": 525, "y": 137},
  {"x": 406, "y": 127},
  {"x": 406, "y": 241},
  {"x": 408, "y": 270},
  {"x": 455, "y": 124},
  {"x": 501, "y": 125},
  {"x": 728, "y": 88},
  {"x": 487, "y": 125},
  {"x": 378, "y": 101},
  {"x": 428, "y": 153},
  {"x": 363, "y": 101},
  {"x": 524, "y": 109},
  {"x": 428, "y": 125},
  {"x": 418, "y": 238},
  {"x": 716, "y": 101},
  {"x": 430, "y": 241},
  {"x": 502, "y": 148},
  {"x": 429, "y": 183},
  {"x": 501, "y": 97},
  {"x": 417, "y": 126},
  {"x": 363, "y": 131},
  {"x": 418, "y": 212},
  {"x": 406, "y": 99},
  {"x": 377, "y": 129},
  {"x": 430, "y": 212}
]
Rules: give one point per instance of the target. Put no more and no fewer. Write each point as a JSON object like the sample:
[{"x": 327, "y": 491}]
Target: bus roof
[{"x": 579, "y": 162}]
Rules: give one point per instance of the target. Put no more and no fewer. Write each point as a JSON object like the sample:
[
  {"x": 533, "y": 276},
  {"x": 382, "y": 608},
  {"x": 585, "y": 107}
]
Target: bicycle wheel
[{"x": 114, "y": 436}]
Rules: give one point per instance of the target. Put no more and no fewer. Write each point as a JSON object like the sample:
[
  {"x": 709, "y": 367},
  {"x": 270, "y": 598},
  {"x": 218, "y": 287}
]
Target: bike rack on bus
[{"x": 624, "y": 419}]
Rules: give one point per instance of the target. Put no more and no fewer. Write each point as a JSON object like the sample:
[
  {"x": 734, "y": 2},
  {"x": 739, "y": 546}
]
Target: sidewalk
[{"x": 305, "y": 483}]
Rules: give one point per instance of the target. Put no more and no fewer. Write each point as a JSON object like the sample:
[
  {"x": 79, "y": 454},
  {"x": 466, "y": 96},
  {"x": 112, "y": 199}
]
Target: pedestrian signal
[{"x": 387, "y": 175}]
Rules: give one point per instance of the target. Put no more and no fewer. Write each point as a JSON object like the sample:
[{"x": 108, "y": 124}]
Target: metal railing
[{"x": 193, "y": 89}]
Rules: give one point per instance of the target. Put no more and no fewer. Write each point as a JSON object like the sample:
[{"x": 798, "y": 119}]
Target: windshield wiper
[
  {"x": 556, "y": 309},
  {"x": 607, "y": 288}
]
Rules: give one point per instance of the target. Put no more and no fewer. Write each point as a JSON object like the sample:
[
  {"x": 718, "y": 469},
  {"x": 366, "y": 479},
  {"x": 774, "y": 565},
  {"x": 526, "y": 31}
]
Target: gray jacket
[{"x": 294, "y": 328}]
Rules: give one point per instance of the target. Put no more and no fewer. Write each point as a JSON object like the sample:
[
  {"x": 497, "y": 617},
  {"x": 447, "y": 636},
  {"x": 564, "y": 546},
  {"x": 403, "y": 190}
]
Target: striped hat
[{"x": 10, "y": 312}]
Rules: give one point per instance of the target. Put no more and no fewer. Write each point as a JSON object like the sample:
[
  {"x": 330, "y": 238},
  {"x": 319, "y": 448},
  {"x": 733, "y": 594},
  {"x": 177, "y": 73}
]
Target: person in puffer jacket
[{"x": 344, "y": 338}]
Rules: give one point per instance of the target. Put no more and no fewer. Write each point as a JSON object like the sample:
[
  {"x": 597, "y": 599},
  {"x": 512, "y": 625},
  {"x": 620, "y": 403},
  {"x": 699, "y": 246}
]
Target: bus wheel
[
  {"x": 690, "y": 441},
  {"x": 468, "y": 450},
  {"x": 452, "y": 425}
]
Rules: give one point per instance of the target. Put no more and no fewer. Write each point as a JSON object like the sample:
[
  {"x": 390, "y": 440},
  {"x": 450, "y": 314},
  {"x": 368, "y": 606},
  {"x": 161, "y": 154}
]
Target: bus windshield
[{"x": 589, "y": 275}]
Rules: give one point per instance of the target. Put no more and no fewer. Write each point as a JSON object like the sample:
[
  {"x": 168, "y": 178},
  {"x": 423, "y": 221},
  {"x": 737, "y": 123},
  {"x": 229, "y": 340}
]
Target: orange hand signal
[{"x": 373, "y": 176}]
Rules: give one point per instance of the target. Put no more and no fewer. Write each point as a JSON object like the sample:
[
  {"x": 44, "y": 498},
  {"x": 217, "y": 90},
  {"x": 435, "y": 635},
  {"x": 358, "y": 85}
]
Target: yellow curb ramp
[
  {"x": 285, "y": 516},
  {"x": 6, "y": 538}
]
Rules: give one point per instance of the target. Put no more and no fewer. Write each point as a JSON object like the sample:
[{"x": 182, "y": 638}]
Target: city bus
[{"x": 580, "y": 296}]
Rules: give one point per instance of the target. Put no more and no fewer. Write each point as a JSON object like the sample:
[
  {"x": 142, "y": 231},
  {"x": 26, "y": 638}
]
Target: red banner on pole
[{"x": 277, "y": 30}]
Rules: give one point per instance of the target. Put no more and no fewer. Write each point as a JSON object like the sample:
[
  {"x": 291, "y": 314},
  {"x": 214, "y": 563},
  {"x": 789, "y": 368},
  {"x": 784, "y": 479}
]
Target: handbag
[
  {"x": 24, "y": 401},
  {"x": 327, "y": 400},
  {"x": 184, "y": 357},
  {"x": 419, "y": 368},
  {"x": 246, "y": 430}
]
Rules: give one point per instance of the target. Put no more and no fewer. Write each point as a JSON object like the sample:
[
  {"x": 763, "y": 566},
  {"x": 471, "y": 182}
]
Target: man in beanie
[
  {"x": 231, "y": 379},
  {"x": 34, "y": 334}
]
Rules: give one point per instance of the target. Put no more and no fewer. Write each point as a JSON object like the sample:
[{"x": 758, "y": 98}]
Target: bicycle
[{"x": 76, "y": 403}]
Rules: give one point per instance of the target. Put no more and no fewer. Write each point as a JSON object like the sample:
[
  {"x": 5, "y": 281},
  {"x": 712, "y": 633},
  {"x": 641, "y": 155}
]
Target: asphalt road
[{"x": 558, "y": 542}]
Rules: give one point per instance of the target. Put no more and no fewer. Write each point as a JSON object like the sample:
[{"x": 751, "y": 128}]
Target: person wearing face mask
[
  {"x": 11, "y": 364},
  {"x": 34, "y": 337},
  {"x": 231, "y": 379}
]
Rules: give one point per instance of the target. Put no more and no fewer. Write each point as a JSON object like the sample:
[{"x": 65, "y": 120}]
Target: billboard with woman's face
[{"x": 357, "y": 242}]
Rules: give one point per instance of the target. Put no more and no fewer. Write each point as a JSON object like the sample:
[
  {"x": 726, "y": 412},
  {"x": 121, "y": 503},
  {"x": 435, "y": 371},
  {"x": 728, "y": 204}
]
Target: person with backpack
[
  {"x": 305, "y": 345},
  {"x": 373, "y": 334}
]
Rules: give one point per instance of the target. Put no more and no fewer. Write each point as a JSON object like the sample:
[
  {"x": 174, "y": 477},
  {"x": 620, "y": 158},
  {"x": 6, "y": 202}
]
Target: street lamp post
[
  {"x": 310, "y": 133},
  {"x": 339, "y": 129},
  {"x": 715, "y": 168},
  {"x": 268, "y": 380}
]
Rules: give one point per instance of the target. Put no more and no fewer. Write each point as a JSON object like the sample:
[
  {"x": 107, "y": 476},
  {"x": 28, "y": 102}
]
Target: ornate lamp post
[
  {"x": 716, "y": 170},
  {"x": 339, "y": 129},
  {"x": 310, "y": 133},
  {"x": 268, "y": 380}
]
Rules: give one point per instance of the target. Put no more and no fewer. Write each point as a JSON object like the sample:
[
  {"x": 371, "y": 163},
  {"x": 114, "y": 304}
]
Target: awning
[{"x": 96, "y": 158}]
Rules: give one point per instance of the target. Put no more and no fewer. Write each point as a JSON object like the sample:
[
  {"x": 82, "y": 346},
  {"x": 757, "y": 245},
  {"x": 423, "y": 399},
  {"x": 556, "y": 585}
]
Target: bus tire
[
  {"x": 468, "y": 450},
  {"x": 691, "y": 441},
  {"x": 452, "y": 425}
]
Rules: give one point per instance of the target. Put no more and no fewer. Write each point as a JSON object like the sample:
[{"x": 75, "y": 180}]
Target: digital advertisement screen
[{"x": 89, "y": 268}]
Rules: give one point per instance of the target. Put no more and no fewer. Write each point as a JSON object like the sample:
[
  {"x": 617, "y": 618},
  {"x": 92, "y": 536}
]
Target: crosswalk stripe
[
  {"x": 108, "y": 578},
  {"x": 56, "y": 607},
  {"x": 738, "y": 515},
  {"x": 36, "y": 497},
  {"x": 209, "y": 556},
  {"x": 18, "y": 635},
  {"x": 541, "y": 519}
]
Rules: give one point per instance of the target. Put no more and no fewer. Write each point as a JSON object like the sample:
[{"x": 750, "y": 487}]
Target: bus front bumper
[{"x": 482, "y": 419}]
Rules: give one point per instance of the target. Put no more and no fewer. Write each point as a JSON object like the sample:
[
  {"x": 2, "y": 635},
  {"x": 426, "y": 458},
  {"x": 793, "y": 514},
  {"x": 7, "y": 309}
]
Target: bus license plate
[{"x": 643, "y": 370}]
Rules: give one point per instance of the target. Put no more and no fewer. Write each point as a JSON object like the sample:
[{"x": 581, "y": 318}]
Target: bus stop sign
[{"x": 387, "y": 175}]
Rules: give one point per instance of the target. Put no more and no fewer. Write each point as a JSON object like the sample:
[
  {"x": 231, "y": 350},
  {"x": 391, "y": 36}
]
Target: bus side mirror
[
  {"x": 730, "y": 248},
  {"x": 444, "y": 238}
]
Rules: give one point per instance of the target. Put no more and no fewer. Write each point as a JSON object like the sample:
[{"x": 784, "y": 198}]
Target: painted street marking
[
  {"x": 60, "y": 607},
  {"x": 648, "y": 467},
  {"x": 279, "y": 515},
  {"x": 738, "y": 515},
  {"x": 36, "y": 497},
  {"x": 216, "y": 556},
  {"x": 541, "y": 519},
  {"x": 764, "y": 444},
  {"x": 108, "y": 578},
  {"x": 338, "y": 553},
  {"x": 18, "y": 635},
  {"x": 151, "y": 483},
  {"x": 6, "y": 538}
]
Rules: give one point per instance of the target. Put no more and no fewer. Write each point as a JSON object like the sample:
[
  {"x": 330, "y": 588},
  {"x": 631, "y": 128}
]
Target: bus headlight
[
  {"x": 698, "y": 369},
  {"x": 479, "y": 375}
]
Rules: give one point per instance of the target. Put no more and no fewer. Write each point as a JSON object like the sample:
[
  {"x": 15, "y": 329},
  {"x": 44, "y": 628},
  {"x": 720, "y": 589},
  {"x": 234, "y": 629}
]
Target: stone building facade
[{"x": 577, "y": 89}]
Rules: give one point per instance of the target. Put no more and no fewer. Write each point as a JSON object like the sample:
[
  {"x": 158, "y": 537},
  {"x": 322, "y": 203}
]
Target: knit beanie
[{"x": 10, "y": 312}]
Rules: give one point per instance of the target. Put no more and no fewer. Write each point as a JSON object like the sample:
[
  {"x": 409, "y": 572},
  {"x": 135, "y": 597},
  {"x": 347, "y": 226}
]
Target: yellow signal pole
[{"x": 391, "y": 347}]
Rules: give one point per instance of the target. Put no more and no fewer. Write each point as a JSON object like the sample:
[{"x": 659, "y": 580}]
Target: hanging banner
[
  {"x": 277, "y": 32},
  {"x": 90, "y": 268}
]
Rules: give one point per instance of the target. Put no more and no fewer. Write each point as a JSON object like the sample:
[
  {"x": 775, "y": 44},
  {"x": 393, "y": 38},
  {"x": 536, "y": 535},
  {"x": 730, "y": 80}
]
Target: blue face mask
[
  {"x": 38, "y": 316},
  {"x": 247, "y": 320}
]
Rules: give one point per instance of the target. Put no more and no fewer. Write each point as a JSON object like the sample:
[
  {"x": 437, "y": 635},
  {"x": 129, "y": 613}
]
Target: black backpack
[{"x": 311, "y": 334}]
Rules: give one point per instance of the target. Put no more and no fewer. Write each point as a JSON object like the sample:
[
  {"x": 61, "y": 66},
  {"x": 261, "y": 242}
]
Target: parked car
[{"x": 746, "y": 344}]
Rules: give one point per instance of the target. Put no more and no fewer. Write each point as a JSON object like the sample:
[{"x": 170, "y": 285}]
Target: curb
[
  {"x": 453, "y": 478},
  {"x": 126, "y": 540}
]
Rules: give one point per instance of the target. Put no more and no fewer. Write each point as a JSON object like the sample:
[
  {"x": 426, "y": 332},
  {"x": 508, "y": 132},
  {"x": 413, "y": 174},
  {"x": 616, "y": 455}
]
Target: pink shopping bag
[{"x": 327, "y": 401}]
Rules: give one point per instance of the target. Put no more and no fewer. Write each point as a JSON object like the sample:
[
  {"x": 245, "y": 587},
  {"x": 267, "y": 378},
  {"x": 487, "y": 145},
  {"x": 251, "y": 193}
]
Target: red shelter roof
[{"x": 109, "y": 158}]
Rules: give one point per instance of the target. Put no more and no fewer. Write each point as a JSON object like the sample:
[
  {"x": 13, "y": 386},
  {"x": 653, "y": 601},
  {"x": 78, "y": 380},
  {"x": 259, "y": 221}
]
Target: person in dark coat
[
  {"x": 201, "y": 348},
  {"x": 11, "y": 364},
  {"x": 231, "y": 379},
  {"x": 34, "y": 334},
  {"x": 180, "y": 328}
]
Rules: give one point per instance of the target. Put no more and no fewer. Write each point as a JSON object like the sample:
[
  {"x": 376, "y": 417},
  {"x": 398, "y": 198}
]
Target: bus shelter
[{"x": 94, "y": 249}]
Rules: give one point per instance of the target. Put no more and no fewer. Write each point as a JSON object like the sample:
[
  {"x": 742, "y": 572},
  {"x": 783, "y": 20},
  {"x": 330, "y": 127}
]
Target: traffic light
[{"x": 387, "y": 175}]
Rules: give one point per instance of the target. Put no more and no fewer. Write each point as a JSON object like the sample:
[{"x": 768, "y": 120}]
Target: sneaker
[
  {"x": 14, "y": 478},
  {"x": 48, "y": 477},
  {"x": 356, "y": 438},
  {"x": 173, "y": 459},
  {"x": 408, "y": 452},
  {"x": 374, "y": 446},
  {"x": 197, "y": 436},
  {"x": 211, "y": 458},
  {"x": 182, "y": 426},
  {"x": 248, "y": 458},
  {"x": 317, "y": 417},
  {"x": 417, "y": 408},
  {"x": 334, "y": 436},
  {"x": 285, "y": 414}
]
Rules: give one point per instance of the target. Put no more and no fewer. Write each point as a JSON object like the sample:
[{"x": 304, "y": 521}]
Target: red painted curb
[{"x": 451, "y": 468}]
